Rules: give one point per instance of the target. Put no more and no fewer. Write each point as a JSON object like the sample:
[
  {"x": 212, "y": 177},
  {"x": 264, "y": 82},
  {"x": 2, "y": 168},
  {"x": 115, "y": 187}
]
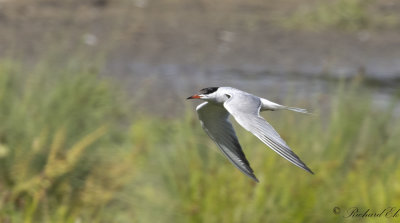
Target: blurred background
[{"x": 94, "y": 125}]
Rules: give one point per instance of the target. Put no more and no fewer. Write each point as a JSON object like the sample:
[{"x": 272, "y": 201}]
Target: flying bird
[{"x": 220, "y": 102}]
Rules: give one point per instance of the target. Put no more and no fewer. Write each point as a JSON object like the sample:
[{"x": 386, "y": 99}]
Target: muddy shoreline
[{"x": 181, "y": 46}]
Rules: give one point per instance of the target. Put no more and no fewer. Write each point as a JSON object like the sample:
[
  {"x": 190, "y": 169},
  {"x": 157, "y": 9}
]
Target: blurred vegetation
[
  {"x": 348, "y": 15},
  {"x": 72, "y": 150},
  {"x": 57, "y": 130}
]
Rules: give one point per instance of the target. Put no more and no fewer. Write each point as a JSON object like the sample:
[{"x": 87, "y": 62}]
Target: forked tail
[
  {"x": 272, "y": 106},
  {"x": 301, "y": 110}
]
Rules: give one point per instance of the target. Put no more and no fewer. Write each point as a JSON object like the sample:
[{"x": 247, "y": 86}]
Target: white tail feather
[
  {"x": 301, "y": 110},
  {"x": 272, "y": 106}
]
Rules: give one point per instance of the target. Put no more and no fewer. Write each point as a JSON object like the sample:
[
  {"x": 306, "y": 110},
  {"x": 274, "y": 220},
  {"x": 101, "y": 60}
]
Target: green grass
[
  {"x": 72, "y": 151},
  {"x": 351, "y": 15}
]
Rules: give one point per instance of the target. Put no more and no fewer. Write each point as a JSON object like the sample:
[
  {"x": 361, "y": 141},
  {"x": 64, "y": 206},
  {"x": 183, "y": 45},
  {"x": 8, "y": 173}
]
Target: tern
[{"x": 220, "y": 102}]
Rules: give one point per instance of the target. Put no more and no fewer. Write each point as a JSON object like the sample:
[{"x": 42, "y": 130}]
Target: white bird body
[{"x": 245, "y": 108}]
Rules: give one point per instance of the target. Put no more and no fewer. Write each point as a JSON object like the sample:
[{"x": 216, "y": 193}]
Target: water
[{"x": 162, "y": 88}]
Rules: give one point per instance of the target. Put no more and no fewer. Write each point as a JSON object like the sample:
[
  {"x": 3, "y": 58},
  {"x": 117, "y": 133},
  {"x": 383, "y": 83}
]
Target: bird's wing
[
  {"x": 215, "y": 122},
  {"x": 246, "y": 111}
]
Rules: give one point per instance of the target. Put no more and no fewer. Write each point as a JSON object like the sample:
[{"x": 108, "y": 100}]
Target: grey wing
[
  {"x": 246, "y": 111},
  {"x": 215, "y": 122}
]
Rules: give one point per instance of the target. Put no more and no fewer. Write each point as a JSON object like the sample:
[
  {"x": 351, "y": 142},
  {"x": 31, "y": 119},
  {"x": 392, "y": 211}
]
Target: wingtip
[
  {"x": 255, "y": 178},
  {"x": 309, "y": 170},
  {"x": 252, "y": 176}
]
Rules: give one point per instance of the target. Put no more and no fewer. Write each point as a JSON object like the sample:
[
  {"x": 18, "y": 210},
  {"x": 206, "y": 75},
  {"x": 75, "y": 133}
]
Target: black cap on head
[{"x": 208, "y": 90}]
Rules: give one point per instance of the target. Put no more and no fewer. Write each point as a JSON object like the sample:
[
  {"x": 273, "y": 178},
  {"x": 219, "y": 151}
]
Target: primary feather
[{"x": 245, "y": 108}]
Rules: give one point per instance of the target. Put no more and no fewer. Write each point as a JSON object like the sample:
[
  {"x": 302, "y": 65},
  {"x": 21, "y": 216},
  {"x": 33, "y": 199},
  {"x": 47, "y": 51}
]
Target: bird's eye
[{"x": 227, "y": 95}]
